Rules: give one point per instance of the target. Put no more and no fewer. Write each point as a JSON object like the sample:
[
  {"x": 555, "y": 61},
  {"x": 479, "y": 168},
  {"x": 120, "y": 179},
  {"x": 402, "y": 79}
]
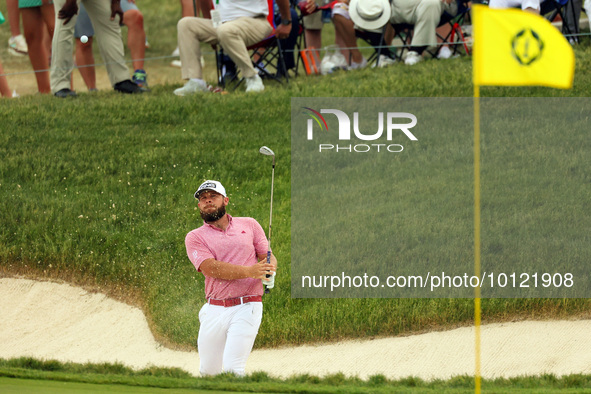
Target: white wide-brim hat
[{"x": 370, "y": 14}]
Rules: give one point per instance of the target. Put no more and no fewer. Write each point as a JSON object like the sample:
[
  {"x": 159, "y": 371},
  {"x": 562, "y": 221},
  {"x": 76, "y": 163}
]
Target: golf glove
[{"x": 269, "y": 282}]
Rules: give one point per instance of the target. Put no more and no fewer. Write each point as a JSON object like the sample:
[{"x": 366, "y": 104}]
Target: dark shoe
[
  {"x": 64, "y": 93},
  {"x": 140, "y": 78},
  {"x": 128, "y": 87}
]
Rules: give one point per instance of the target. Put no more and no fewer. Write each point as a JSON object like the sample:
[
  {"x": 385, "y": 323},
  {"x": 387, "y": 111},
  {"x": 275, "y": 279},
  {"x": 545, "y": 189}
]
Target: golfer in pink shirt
[{"x": 232, "y": 255}]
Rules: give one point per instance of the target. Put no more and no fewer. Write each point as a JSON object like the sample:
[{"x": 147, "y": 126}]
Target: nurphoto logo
[{"x": 392, "y": 124}]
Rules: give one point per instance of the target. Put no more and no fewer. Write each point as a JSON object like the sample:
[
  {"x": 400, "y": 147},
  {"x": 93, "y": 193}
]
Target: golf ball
[{"x": 84, "y": 39}]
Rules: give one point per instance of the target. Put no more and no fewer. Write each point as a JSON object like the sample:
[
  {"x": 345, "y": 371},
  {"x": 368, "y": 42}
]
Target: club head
[{"x": 266, "y": 151}]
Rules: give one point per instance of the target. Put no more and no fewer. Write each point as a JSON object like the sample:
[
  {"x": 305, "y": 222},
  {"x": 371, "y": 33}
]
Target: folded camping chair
[
  {"x": 455, "y": 38},
  {"x": 266, "y": 56},
  {"x": 551, "y": 9}
]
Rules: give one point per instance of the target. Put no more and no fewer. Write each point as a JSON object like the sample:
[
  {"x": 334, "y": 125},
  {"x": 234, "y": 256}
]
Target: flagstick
[{"x": 477, "y": 377}]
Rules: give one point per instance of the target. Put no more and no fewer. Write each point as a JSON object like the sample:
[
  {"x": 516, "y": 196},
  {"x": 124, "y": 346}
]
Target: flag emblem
[{"x": 527, "y": 47}]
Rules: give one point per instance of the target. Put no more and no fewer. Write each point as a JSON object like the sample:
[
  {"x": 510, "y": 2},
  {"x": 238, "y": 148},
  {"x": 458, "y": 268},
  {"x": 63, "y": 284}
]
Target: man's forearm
[
  {"x": 222, "y": 270},
  {"x": 284, "y": 9}
]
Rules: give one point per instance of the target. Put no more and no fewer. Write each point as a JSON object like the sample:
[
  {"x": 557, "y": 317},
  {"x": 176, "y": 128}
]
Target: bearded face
[
  {"x": 212, "y": 213},
  {"x": 212, "y": 206}
]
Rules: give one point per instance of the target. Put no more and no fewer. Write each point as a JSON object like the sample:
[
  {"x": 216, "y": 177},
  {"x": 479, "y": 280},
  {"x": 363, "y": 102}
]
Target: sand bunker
[{"x": 48, "y": 320}]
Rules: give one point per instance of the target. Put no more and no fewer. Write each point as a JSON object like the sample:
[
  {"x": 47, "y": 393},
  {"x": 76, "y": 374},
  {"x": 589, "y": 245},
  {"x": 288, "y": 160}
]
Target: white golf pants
[{"x": 226, "y": 337}]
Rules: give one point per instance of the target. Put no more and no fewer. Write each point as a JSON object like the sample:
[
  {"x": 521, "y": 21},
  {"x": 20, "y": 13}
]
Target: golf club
[{"x": 268, "y": 152}]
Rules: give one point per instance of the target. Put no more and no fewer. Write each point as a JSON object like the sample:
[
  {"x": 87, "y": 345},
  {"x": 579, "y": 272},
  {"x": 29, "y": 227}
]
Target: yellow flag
[{"x": 514, "y": 47}]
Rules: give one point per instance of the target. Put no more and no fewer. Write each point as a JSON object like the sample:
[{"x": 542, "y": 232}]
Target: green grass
[
  {"x": 31, "y": 375},
  {"x": 98, "y": 191}
]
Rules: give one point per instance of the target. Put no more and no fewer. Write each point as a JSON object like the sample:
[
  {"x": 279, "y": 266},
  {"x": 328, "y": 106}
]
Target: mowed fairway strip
[
  {"x": 47, "y": 320},
  {"x": 32, "y": 386}
]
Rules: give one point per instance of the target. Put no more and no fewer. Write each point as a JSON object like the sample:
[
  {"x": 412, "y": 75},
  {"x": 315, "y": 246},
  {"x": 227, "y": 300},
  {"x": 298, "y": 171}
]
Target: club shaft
[
  {"x": 271, "y": 205},
  {"x": 267, "y": 290}
]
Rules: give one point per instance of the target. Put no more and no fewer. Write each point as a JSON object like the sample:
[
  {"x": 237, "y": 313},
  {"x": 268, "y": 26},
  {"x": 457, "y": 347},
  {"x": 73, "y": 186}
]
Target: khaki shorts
[{"x": 314, "y": 21}]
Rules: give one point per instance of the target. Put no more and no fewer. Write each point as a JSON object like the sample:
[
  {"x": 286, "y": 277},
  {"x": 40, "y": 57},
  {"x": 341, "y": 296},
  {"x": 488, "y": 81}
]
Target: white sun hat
[{"x": 370, "y": 14}]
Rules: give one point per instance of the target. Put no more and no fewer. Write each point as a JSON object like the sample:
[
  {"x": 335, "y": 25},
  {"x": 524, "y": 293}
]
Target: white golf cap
[
  {"x": 213, "y": 186},
  {"x": 370, "y": 14}
]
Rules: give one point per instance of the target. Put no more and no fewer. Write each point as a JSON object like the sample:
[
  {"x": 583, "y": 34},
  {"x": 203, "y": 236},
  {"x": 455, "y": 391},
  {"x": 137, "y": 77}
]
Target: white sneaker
[
  {"x": 384, "y": 61},
  {"x": 412, "y": 58},
  {"x": 191, "y": 87},
  {"x": 254, "y": 84},
  {"x": 444, "y": 53},
  {"x": 176, "y": 52},
  {"x": 17, "y": 46},
  {"x": 15, "y": 94},
  {"x": 340, "y": 63},
  {"x": 357, "y": 66}
]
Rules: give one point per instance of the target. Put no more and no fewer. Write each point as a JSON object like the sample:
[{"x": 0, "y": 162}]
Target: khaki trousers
[
  {"x": 424, "y": 15},
  {"x": 108, "y": 34},
  {"x": 233, "y": 36}
]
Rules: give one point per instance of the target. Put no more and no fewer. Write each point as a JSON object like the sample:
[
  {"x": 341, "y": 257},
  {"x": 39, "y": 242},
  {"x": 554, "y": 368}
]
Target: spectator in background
[
  {"x": 313, "y": 24},
  {"x": 424, "y": 15},
  {"x": 287, "y": 49},
  {"x": 289, "y": 43},
  {"x": 84, "y": 54},
  {"x": 345, "y": 37},
  {"x": 526, "y": 5},
  {"x": 104, "y": 18},
  {"x": 242, "y": 25},
  {"x": 17, "y": 45},
  {"x": 570, "y": 24},
  {"x": 4, "y": 89},
  {"x": 38, "y": 25},
  {"x": 345, "y": 28},
  {"x": 188, "y": 8},
  {"x": 314, "y": 20},
  {"x": 136, "y": 39}
]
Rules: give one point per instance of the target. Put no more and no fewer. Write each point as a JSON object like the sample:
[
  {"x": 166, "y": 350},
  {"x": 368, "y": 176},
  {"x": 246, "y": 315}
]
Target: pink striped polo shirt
[{"x": 239, "y": 244}]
